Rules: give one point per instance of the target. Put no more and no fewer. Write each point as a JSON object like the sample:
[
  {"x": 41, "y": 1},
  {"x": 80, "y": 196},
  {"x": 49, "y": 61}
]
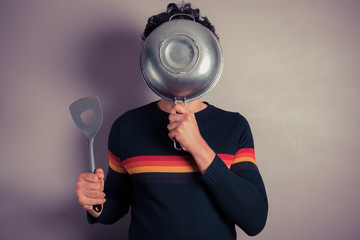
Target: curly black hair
[{"x": 172, "y": 8}]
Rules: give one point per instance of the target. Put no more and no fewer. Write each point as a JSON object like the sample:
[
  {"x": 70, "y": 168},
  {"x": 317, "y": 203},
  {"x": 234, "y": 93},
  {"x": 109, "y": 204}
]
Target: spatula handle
[{"x": 98, "y": 207}]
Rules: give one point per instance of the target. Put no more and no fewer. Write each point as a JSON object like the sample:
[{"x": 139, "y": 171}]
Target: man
[{"x": 201, "y": 192}]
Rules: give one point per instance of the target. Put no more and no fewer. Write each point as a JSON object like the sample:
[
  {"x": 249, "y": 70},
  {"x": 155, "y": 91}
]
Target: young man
[{"x": 201, "y": 192}]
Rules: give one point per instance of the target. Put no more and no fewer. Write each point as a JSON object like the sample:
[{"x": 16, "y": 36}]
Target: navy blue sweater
[{"x": 169, "y": 197}]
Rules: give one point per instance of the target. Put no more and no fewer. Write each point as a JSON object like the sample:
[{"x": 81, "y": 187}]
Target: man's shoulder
[
  {"x": 141, "y": 110},
  {"x": 226, "y": 113},
  {"x": 228, "y": 117}
]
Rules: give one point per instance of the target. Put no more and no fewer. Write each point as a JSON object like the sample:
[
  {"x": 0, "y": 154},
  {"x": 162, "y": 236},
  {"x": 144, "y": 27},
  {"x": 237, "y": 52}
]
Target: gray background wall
[{"x": 291, "y": 68}]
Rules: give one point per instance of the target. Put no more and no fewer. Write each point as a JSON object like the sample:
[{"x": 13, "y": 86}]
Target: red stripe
[
  {"x": 226, "y": 158},
  {"x": 175, "y": 161},
  {"x": 142, "y": 161},
  {"x": 113, "y": 157},
  {"x": 158, "y": 163},
  {"x": 158, "y": 158},
  {"x": 115, "y": 160},
  {"x": 245, "y": 150}
]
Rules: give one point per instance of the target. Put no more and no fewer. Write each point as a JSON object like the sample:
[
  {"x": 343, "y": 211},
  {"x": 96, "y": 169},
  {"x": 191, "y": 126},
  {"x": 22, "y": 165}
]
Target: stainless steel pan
[{"x": 181, "y": 60}]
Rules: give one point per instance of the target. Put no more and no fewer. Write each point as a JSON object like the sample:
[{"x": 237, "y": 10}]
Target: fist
[
  {"x": 183, "y": 127},
  {"x": 90, "y": 189}
]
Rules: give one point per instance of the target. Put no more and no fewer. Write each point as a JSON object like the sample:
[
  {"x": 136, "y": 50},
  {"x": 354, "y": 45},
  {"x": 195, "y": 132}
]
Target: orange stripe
[
  {"x": 118, "y": 164},
  {"x": 251, "y": 155},
  {"x": 244, "y": 159},
  {"x": 115, "y": 163},
  {"x": 114, "y": 158},
  {"x": 141, "y": 161},
  {"x": 152, "y": 169},
  {"x": 172, "y": 164},
  {"x": 158, "y": 163},
  {"x": 245, "y": 155},
  {"x": 142, "y": 164},
  {"x": 116, "y": 168}
]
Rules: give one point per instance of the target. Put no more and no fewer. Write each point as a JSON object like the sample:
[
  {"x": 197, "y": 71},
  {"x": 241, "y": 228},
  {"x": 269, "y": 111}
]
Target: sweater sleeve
[
  {"x": 118, "y": 184},
  {"x": 239, "y": 191}
]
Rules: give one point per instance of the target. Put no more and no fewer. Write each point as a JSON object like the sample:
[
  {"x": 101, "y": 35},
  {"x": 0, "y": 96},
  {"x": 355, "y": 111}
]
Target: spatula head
[{"x": 83, "y": 105}]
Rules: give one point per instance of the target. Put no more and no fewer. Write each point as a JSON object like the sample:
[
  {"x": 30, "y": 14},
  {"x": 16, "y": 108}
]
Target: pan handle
[
  {"x": 177, "y": 146},
  {"x": 182, "y": 14}
]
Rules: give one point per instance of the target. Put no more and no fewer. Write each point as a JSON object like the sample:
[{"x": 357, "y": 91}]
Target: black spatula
[{"x": 91, "y": 128}]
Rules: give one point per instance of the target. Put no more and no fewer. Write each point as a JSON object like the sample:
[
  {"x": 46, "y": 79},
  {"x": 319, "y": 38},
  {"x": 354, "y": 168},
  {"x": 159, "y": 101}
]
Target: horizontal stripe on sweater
[{"x": 173, "y": 164}]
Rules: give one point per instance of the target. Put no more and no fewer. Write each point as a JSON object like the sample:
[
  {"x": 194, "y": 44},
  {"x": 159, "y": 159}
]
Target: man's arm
[{"x": 239, "y": 192}]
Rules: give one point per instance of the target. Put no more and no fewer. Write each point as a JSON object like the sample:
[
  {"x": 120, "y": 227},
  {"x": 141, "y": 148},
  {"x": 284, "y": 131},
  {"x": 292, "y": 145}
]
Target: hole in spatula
[{"x": 88, "y": 116}]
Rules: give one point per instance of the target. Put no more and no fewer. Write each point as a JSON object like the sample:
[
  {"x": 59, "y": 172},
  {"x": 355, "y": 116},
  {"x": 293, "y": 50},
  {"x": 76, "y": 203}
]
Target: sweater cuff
[{"x": 216, "y": 174}]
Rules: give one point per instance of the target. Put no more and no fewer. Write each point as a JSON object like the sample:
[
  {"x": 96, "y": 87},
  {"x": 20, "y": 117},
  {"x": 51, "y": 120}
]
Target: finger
[
  {"x": 172, "y": 135},
  {"x": 178, "y": 108},
  {"x": 86, "y": 202},
  {"x": 102, "y": 184},
  {"x": 100, "y": 173},
  {"x": 93, "y": 194},
  {"x": 89, "y": 186},
  {"x": 175, "y": 117},
  {"x": 89, "y": 177},
  {"x": 87, "y": 207},
  {"x": 176, "y": 133},
  {"x": 172, "y": 126}
]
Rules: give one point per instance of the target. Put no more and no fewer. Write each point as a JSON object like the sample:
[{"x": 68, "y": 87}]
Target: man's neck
[{"x": 194, "y": 106}]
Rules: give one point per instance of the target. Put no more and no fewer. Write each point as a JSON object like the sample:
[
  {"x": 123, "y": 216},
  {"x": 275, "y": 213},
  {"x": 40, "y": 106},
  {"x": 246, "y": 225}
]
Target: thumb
[{"x": 100, "y": 173}]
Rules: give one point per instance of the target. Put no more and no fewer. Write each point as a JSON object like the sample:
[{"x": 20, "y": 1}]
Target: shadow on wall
[{"x": 111, "y": 65}]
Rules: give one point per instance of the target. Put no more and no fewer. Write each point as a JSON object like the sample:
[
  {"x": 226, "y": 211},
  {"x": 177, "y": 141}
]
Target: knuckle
[
  {"x": 95, "y": 186},
  {"x": 98, "y": 194},
  {"x": 101, "y": 195},
  {"x": 78, "y": 185},
  {"x": 78, "y": 193},
  {"x": 99, "y": 172},
  {"x": 92, "y": 177},
  {"x": 82, "y": 176},
  {"x": 87, "y": 207},
  {"x": 179, "y": 129},
  {"x": 82, "y": 201}
]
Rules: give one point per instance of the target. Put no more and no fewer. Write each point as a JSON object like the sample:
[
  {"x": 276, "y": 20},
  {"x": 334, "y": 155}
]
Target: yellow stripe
[
  {"x": 244, "y": 159},
  {"x": 163, "y": 169},
  {"x": 116, "y": 168}
]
